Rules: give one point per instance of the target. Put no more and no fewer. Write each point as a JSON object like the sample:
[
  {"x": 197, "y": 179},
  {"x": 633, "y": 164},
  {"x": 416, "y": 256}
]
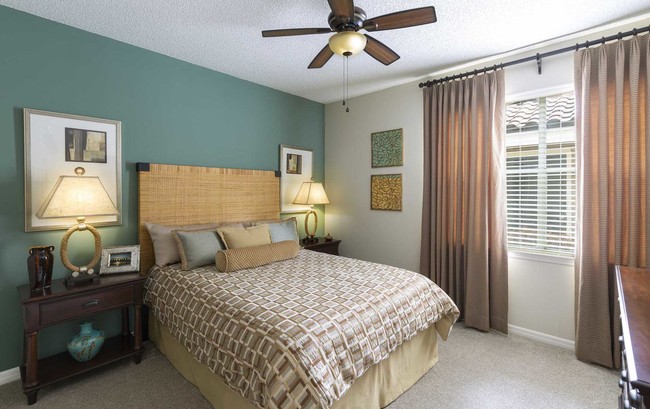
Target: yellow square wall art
[{"x": 386, "y": 192}]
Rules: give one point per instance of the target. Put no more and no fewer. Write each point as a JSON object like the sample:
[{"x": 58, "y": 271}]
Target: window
[{"x": 541, "y": 175}]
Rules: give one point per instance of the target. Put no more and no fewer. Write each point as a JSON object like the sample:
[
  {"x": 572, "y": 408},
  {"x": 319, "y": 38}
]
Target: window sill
[{"x": 541, "y": 258}]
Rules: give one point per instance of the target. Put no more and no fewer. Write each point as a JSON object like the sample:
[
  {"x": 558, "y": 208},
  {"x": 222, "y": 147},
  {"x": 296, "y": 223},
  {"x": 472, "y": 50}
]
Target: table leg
[
  {"x": 125, "y": 321},
  {"x": 24, "y": 349},
  {"x": 137, "y": 333},
  {"x": 31, "y": 397},
  {"x": 31, "y": 361}
]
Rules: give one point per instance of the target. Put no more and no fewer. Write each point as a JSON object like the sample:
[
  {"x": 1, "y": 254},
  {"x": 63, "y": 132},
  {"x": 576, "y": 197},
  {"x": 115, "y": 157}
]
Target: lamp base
[
  {"x": 311, "y": 233},
  {"x": 310, "y": 239},
  {"x": 81, "y": 279},
  {"x": 82, "y": 276}
]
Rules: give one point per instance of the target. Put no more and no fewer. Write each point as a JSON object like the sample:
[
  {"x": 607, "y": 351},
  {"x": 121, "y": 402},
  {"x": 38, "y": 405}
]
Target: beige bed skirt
[{"x": 377, "y": 388}]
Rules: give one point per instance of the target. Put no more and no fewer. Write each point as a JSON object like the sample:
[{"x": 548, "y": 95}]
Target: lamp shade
[
  {"x": 347, "y": 43},
  {"x": 77, "y": 196},
  {"x": 311, "y": 193}
]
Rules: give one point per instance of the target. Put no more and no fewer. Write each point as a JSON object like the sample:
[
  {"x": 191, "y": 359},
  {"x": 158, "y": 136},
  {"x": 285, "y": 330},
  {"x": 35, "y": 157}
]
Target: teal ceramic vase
[{"x": 87, "y": 343}]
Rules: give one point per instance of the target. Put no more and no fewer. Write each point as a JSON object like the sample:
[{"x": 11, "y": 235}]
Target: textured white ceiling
[{"x": 225, "y": 35}]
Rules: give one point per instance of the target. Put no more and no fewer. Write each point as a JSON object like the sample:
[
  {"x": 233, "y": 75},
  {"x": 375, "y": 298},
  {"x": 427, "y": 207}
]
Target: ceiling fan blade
[
  {"x": 322, "y": 57},
  {"x": 342, "y": 8},
  {"x": 295, "y": 32},
  {"x": 401, "y": 19},
  {"x": 380, "y": 52}
]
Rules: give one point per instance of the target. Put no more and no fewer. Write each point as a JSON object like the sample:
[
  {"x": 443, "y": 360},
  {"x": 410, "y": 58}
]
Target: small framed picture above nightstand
[{"x": 322, "y": 246}]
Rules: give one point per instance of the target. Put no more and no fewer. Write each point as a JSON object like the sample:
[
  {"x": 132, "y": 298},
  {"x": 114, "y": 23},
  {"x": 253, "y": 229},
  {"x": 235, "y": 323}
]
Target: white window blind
[{"x": 541, "y": 172}]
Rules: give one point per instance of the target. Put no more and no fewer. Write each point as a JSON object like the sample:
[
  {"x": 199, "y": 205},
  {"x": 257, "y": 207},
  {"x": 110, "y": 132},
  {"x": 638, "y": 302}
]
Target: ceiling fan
[{"x": 346, "y": 20}]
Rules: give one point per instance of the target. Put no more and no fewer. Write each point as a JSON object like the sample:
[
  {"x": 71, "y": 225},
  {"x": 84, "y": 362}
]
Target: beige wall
[
  {"x": 387, "y": 237},
  {"x": 541, "y": 295}
]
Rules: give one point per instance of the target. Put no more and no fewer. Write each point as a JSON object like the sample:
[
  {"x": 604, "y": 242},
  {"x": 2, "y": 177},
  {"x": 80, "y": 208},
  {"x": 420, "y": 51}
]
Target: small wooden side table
[
  {"x": 322, "y": 246},
  {"x": 60, "y": 303}
]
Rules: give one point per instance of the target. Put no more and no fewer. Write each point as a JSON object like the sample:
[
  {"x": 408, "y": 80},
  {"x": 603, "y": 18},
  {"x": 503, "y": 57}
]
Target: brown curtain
[
  {"x": 613, "y": 137},
  {"x": 464, "y": 242}
]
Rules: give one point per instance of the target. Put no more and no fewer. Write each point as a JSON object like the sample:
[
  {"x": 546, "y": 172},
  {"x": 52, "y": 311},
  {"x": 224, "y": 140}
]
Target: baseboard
[
  {"x": 539, "y": 336},
  {"x": 9, "y": 375}
]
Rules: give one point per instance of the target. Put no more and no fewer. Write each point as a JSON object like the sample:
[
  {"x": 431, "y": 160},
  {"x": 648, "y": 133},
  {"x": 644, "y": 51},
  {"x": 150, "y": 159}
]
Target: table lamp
[
  {"x": 78, "y": 196},
  {"x": 311, "y": 193}
]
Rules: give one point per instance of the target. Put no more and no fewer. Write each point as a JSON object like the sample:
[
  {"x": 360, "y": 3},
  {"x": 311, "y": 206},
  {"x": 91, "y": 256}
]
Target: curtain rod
[{"x": 538, "y": 56}]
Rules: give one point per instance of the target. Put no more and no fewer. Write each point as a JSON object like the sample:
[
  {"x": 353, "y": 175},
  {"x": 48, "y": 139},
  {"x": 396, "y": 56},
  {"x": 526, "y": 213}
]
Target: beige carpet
[{"x": 476, "y": 371}]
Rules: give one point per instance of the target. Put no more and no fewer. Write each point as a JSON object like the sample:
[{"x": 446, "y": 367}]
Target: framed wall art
[
  {"x": 56, "y": 144},
  {"x": 295, "y": 168},
  {"x": 387, "y": 148},
  {"x": 124, "y": 259},
  {"x": 386, "y": 192}
]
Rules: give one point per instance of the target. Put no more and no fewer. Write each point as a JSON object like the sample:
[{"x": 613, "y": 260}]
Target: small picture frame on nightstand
[{"x": 120, "y": 259}]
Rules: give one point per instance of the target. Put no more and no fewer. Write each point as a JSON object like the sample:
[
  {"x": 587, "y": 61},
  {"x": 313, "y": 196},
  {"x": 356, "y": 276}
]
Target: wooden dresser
[{"x": 634, "y": 297}]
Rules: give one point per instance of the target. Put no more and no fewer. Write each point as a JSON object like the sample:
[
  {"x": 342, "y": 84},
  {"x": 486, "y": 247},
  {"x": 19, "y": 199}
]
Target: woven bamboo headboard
[{"x": 177, "y": 195}]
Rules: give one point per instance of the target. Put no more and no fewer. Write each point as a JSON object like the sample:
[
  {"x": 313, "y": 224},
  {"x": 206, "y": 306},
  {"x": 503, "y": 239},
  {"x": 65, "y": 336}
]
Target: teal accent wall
[{"x": 171, "y": 112}]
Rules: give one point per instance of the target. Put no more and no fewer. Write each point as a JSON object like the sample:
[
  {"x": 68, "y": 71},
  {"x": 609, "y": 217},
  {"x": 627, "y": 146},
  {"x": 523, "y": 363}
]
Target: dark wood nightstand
[
  {"x": 60, "y": 303},
  {"x": 322, "y": 246},
  {"x": 634, "y": 300}
]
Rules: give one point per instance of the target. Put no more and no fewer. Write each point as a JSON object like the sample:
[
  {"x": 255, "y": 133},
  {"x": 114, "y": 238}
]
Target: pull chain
[
  {"x": 345, "y": 74},
  {"x": 346, "y": 80}
]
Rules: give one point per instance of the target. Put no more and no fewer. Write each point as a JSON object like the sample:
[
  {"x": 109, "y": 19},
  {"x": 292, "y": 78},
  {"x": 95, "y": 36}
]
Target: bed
[{"x": 314, "y": 331}]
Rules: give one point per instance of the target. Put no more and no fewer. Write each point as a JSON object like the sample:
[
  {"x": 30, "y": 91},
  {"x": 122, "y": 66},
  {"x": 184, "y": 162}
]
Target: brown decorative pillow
[
  {"x": 237, "y": 237},
  {"x": 255, "y": 256},
  {"x": 164, "y": 246}
]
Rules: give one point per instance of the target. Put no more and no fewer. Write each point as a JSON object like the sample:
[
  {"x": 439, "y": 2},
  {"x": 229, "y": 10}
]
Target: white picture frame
[
  {"x": 120, "y": 259},
  {"x": 295, "y": 168},
  {"x": 51, "y": 150}
]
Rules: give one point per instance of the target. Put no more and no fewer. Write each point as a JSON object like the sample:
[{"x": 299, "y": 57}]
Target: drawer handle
[{"x": 91, "y": 303}]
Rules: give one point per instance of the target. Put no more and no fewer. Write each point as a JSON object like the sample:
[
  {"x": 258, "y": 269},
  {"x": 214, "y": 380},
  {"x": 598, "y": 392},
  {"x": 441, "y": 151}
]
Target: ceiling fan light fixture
[{"x": 347, "y": 43}]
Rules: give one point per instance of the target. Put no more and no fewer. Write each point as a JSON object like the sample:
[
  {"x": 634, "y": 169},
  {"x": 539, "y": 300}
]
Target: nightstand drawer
[
  {"x": 87, "y": 303},
  {"x": 328, "y": 248}
]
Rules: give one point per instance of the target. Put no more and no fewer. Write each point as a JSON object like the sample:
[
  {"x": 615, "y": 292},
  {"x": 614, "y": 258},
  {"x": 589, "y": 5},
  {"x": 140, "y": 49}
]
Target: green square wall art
[{"x": 387, "y": 148}]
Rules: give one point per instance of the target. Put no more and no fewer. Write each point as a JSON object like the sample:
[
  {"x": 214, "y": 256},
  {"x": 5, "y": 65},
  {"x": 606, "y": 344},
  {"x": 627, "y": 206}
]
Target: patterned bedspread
[{"x": 296, "y": 333}]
